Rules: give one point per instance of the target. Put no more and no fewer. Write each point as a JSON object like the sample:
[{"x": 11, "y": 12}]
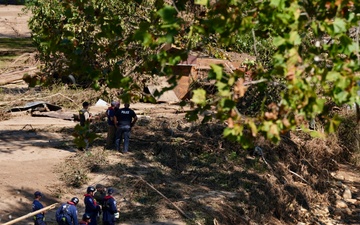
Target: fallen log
[
  {"x": 6, "y": 78},
  {"x": 31, "y": 214}
]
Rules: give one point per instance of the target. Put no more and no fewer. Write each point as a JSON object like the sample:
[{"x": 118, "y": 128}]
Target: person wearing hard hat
[
  {"x": 67, "y": 213},
  {"x": 85, "y": 219},
  {"x": 110, "y": 212},
  {"x": 39, "y": 219},
  {"x": 91, "y": 206}
]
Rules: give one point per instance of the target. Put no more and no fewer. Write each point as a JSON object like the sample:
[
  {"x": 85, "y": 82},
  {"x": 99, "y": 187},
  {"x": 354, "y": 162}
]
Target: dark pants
[
  {"x": 93, "y": 219},
  {"x": 40, "y": 222},
  {"x": 108, "y": 223},
  {"x": 123, "y": 132},
  {"x": 110, "y": 139}
]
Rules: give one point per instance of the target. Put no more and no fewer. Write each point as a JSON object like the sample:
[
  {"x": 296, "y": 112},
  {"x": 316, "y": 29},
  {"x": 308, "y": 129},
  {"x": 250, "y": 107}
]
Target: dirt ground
[
  {"x": 13, "y": 22},
  {"x": 30, "y": 151}
]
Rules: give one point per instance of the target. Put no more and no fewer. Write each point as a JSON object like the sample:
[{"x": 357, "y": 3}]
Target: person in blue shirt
[
  {"x": 110, "y": 212},
  {"x": 125, "y": 119},
  {"x": 91, "y": 207},
  {"x": 66, "y": 214},
  {"x": 39, "y": 219}
]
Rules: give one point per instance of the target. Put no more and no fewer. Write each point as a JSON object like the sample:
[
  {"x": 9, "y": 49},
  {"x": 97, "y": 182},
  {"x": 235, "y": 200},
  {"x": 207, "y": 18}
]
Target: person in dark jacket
[
  {"x": 110, "y": 138},
  {"x": 84, "y": 114},
  {"x": 100, "y": 194},
  {"x": 125, "y": 119},
  {"x": 85, "y": 219},
  {"x": 66, "y": 214},
  {"x": 110, "y": 212},
  {"x": 39, "y": 219},
  {"x": 91, "y": 206}
]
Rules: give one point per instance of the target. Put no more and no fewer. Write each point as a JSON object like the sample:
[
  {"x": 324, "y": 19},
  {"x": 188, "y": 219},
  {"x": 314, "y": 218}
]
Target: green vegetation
[{"x": 306, "y": 53}]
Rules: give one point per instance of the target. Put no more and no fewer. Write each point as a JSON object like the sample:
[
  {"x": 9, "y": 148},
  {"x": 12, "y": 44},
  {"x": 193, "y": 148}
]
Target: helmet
[
  {"x": 86, "y": 217},
  {"x": 75, "y": 200},
  {"x": 37, "y": 193},
  {"x": 110, "y": 191},
  {"x": 90, "y": 189}
]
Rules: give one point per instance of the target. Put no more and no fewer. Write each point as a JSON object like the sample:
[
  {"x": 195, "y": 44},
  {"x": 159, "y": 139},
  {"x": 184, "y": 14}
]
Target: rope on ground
[{"x": 162, "y": 195}]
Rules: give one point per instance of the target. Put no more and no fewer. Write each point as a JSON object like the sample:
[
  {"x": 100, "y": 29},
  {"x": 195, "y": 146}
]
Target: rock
[
  {"x": 337, "y": 176},
  {"x": 340, "y": 204},
  {"x": 347, "y": 193}
]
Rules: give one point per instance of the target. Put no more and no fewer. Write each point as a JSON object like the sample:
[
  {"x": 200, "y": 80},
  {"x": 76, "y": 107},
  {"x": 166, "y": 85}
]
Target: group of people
[
  {"x": 98, "y": 200},
  {"x": 119, "y": 121}
]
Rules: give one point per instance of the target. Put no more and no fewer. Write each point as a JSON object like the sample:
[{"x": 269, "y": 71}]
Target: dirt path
[
  {"x": 27, "y": 160},
  {"x": 13, "y": 23}
]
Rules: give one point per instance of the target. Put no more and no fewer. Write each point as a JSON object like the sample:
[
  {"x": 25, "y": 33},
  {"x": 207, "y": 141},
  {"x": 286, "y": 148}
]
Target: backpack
[{"x": 64, "y": 213}]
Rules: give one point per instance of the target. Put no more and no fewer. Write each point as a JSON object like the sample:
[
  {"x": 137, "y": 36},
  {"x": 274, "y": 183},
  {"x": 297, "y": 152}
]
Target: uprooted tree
[{"x": 308, "y": 49}]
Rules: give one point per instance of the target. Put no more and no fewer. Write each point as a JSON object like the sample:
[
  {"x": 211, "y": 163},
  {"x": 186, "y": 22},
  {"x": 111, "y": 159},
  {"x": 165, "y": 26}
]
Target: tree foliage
[{"x": 309, "y": 49}]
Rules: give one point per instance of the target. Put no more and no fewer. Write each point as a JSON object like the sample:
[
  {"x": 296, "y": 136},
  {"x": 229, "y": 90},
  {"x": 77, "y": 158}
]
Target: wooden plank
[{"x": 31, "y": 214}]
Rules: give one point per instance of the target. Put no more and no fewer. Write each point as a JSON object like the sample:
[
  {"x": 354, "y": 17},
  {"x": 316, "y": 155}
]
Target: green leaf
[
  {"x": 199, "y": 97},
  {"x": 168, "y": 14},
  {"x": 278, "y": 3},
  {"x": 295, "y": 38},
  {"x": 278, "y": 41},
  {"x": 339, "y": 25},
  {"x": 218, "y": 70},
  {"x": 332, "y": 76},
  {"x": 202, "y": 2},
  {"x": 342, "y": 96}
]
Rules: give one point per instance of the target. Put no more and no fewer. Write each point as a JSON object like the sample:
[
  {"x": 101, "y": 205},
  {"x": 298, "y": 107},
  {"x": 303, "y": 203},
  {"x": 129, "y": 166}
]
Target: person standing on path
[
  {"x": 84, "y": 114},
  {"x": 91, "y": 207},
  {"x": 66, "y": 214},
  {"x": 110, "y": 212},
  {"x": 125, "y": 119},
  {"x": 85, "y": 119},
  {"x": 39, "y": 219},
  {"x": 110, "y": 113}
]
